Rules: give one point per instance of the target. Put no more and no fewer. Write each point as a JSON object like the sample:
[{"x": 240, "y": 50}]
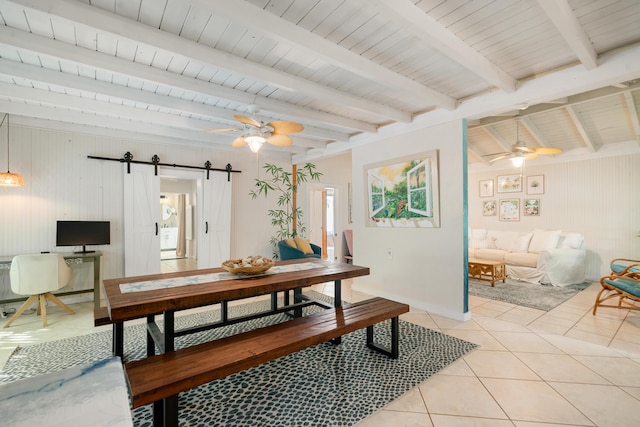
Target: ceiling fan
[
  {"x": 258, "y": 132},
  {"x": 520, "y": 152}
]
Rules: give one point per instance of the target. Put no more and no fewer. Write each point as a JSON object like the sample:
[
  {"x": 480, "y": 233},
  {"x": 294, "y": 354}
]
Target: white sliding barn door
[
  {"x": 214, "y": 227},
  {"x": 141, "y": 221}
]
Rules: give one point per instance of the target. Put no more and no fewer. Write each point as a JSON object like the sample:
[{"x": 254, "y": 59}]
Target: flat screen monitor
[{"x": 83, "y": 233}]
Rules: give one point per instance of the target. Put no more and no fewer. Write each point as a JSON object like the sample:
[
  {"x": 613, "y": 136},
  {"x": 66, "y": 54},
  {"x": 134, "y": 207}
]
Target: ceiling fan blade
[
  {"x": 530, "y": 156},
  {"x": 548, "y": 150},
  {"x": 247, "y": 121},
  {"x": 280, "y": 140},
  {"x": 238, "y": 142},
  {"x": 220, "y": 130},
  {"x": 523, "y": 148},
  {"x": 496, "y": 154},
  {"x": 504, "y": 156},
  {"x": 286, "y": 127}
]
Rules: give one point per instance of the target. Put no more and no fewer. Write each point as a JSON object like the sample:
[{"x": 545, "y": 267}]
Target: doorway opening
[
  {"x": 177, "y": 222},
  {"x": 322, "y": 221}
]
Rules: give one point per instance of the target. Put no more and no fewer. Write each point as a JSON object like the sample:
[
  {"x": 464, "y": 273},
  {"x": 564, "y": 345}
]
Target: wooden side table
[{"x": 487, "y": 270}]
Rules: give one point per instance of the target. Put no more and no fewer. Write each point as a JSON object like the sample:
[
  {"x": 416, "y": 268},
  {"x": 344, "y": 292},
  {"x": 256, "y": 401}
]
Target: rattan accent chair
[{"x": 622, "y": 284}]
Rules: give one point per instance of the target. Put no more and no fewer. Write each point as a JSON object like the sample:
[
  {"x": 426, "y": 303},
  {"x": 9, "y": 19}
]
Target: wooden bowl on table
[{"x": 248, "y": 266}]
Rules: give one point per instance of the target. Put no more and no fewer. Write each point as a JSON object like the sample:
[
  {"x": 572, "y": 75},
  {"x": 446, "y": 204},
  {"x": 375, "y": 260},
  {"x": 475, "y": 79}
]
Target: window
[{"x": 419, "y": 189}]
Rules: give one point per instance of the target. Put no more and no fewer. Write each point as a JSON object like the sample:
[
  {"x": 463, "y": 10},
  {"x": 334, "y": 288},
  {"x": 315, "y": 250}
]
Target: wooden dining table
[{"x": 165, "y": 294}]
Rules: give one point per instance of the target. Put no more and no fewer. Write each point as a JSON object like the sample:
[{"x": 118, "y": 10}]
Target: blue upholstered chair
[
  {"x": 624, "y": 286},
  {"x": 289, "y": 252}
]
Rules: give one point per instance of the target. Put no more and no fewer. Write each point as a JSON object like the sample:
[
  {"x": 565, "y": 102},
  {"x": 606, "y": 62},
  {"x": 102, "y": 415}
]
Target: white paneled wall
[
  {"x": 64, "y": 184},
  {"x": 599, "y": 198}
]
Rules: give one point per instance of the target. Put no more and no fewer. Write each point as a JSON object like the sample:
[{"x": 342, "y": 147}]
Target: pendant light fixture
[{"x": 9, "y": 179}]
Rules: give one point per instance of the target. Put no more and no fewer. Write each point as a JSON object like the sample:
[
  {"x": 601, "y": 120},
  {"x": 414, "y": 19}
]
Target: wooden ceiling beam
[
  {"x": 292, "y": 35},
  {"x": 560, "y": 13},
  {"x": 434, "y": 34},
  {"x": 103, "y": 20}
]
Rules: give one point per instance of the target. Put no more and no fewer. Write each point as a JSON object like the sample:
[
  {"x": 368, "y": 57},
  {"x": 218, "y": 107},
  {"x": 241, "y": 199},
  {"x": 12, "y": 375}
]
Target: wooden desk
[
  {"x": 134, "y": 305},
  {"x": 71, "y": 258}
]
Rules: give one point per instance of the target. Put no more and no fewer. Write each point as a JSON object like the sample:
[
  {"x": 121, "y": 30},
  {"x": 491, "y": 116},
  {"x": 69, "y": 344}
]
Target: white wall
[
  {"x": 428, "y": 265},
  {"x": 595, "y": 197},
  {"x": 63, "y": 184}
]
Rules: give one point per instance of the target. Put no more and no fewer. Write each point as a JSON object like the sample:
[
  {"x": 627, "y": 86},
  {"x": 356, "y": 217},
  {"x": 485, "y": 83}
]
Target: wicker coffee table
[{"x": 487, "y": 270}]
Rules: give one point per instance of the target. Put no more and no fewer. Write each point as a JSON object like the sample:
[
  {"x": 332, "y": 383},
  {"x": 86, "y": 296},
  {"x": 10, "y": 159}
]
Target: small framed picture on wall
[
  {"x": 489, "y": 208},
  {"x": 510, "y": 210},
  {"x": 531, "y": 207},
  {"x": 486, "y": 188},
  {"x": 509, "y": 183},
  {"x": 535, "y": 184}
]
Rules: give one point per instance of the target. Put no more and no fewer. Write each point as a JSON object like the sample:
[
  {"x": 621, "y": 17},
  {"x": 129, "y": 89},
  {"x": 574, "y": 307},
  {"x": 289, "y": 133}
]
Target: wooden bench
[{"x": 160, "y": 378}]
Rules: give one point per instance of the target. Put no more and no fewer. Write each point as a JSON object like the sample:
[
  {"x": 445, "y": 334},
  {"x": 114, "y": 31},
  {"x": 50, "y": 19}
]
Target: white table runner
[{"x": 150, "y": 285}]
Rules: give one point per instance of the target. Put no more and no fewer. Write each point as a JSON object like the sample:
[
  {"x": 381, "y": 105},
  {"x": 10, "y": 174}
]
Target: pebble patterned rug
[
  {"x": 541, "y": 297},
  {"x": 325, "y": 385}
]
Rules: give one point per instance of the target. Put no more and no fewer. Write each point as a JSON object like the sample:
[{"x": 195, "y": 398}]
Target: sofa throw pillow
[
  {"x": 543, "y": 240},
  {"x": 303, "y": 245},
  {"x": 290, "y": 242},
  {"x": 478, "y": 233},
  {"x": 488, "y": 243},
  {"x": 571, "y": 241},
  {"x": 521, "y": 244}
]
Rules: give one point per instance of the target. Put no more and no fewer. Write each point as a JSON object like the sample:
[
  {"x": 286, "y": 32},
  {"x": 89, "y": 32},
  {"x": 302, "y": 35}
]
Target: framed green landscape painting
[{"x": 403, "y": 192}]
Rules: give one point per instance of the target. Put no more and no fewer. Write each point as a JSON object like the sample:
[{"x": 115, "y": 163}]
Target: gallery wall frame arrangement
[
  {"x": 486, "y": 188},
  {"x": 403, "y": 192},
  {"x": 531, "y": 207},
  {"x": 489, "y": 207},
  {"x": 535, "y": 184},
  {"x": 509, "y": 183},
  {"x": 509, "y": 210}
]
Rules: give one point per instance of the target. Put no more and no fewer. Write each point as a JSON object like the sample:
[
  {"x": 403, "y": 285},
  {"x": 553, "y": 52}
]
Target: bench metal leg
[
  {"x": 394, "y": 352},
  {"x": 165, "y": 412},
  {"x": 158, "y": 413}
]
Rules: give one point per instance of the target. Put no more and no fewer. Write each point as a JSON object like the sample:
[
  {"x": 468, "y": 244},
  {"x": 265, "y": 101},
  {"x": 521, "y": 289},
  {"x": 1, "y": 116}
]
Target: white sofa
[{"x": 550, "y": 257}]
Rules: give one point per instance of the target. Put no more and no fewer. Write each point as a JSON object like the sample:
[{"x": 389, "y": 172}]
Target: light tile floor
[{"x": 533, "y": 368}]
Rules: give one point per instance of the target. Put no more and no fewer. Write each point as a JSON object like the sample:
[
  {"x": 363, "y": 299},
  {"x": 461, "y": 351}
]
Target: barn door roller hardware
[{"x": 155, "y": 161}]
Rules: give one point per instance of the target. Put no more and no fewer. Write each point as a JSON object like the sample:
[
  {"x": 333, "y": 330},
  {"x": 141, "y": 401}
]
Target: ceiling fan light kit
[
  {"x": 520, "y": 152},
  {"x": 274, "y": 133}
]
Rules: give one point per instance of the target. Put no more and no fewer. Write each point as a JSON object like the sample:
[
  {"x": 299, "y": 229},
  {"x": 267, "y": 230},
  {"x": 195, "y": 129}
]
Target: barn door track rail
[{"x": 155, "y": 161}]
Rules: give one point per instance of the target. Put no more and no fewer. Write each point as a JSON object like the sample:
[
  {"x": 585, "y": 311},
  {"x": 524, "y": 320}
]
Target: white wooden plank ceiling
[{"x": 168, "y": 69}]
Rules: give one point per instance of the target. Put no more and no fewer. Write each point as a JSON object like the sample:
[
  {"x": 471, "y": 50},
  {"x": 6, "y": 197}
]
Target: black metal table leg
[
  {"x": 118, "y": 339},
  {"x": 337, "y": 293},
  {"x": 224, "y": 311},
  {"x": 337, "y": 302},
  {"x": 297, "y": 297},
  {"x": 151, "y": 347},
  {"x": 274, "y": 301},
  {"x": 169, "y": 331}
]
